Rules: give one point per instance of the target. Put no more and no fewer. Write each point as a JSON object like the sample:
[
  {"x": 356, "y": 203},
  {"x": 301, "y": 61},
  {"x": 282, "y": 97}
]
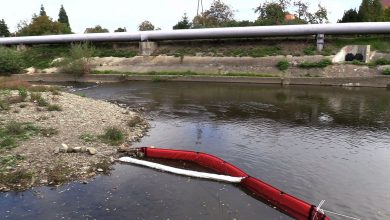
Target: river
[{"x": 316, "y": 143}]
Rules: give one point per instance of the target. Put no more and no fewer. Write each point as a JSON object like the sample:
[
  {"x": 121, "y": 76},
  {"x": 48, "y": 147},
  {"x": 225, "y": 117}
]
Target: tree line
[
  {"x": 270, "y": 12},
  {"x": 369, "y": 11}
]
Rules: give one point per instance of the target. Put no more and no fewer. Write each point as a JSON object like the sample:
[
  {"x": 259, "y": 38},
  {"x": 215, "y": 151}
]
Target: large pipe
[{"x": 210, "y": 33}]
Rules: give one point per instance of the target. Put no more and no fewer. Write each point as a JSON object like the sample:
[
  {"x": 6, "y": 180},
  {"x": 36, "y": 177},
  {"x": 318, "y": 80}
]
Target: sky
[{"x": 112, "y": 14}]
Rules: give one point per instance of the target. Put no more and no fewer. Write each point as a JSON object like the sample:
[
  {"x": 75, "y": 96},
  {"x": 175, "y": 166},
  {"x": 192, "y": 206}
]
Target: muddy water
[{"x": 313, "y": 142}]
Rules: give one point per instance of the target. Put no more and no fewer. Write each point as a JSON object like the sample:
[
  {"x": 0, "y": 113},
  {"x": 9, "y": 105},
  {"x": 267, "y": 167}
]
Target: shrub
[
  {"x": 23, "y": 93},
  {"x": 79, "y": 60},
  {"x": 320, "y": 64},
  {"x": 382, "y": 62},
  {"x": 113, "y": 136},
  {"x": 283, "y": 65},
  {"x": 34, "y": 96},
  {"x": 42, "y": 102},
  {"x": 386, "y": 71},
  {"x": 11, "y": 61}
]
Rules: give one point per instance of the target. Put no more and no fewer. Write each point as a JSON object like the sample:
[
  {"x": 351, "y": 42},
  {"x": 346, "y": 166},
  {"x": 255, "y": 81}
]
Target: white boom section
[
  {"x": 183, "y": 172},
  {"x": 209, "y": 33}
]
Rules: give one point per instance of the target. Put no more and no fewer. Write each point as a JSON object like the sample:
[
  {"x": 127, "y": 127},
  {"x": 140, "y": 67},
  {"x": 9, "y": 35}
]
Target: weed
[
  {"x": 54, "y": 107},
  {"x": 9, "y": 161},
  {"x": 88, "y": 137},
  {"x": 4, "y": 104},
  {"x": 59, "y": 174},
  {"x": 113, "y": 136},
  {"x": 23, "y": 93},
  {"x": 311, "y": 50},
  {"x": 42, "y": 102},
  {"x": 382, "y": 62},
  {"x": 386, "y": 71},
  {"x": 8, "y": 143},
  {"x": 283, "y": 65},
  {"x": 320, "y": 64},
  {"x": 16, "y": 179},
  {"x": 34, "y": 96}
]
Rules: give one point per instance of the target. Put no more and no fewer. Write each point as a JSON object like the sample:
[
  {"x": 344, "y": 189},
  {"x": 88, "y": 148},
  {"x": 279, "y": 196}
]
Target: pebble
[
  {"x": 92, "y": 150},
  {"x": 77, "y": 149},
  {"x": 100, "y": 170}
]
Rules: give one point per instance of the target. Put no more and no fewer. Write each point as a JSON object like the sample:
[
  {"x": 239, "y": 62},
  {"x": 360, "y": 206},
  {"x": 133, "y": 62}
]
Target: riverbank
[{"x": 49, "y": 138}]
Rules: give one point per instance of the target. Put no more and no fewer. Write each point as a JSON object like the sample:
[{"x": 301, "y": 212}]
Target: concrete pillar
[
  {"x": 320, "y": 42},
  {"x": 146, "y": 48},
  {"x": 21, "y": 47}
]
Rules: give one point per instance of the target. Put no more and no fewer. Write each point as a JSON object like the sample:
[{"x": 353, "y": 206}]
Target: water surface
[{"x": 312, "y": 142}]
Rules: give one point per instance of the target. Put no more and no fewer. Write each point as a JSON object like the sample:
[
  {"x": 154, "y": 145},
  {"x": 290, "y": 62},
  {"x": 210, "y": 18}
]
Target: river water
[{"x": 316, "y": 143}]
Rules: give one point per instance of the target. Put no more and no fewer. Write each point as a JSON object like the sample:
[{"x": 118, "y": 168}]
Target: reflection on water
[{"x": 313, "y": 142}]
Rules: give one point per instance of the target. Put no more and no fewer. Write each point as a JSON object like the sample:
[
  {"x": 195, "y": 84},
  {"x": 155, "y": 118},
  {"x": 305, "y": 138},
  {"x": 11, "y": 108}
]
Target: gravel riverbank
[{"x": 73, "y": 149}]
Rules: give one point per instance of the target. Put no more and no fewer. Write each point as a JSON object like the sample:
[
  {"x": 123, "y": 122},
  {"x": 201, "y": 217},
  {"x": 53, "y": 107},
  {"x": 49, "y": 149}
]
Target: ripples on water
[{"x": 312, "y": 142}]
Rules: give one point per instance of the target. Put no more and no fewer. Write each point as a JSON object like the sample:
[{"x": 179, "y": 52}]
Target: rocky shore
[{"x": 62, "y": 143}]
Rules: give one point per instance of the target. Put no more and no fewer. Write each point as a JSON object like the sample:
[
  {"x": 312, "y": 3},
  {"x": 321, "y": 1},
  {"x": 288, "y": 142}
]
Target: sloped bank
[{"x": 74, "y": 146}]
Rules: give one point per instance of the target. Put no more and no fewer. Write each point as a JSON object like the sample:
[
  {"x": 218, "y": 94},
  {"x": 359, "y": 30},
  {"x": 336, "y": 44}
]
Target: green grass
[
  {"x": 379, "y": 42},
  {"x": 283, "y": 65},
  {"x": 386, "y": 72},
  {"x": 14, "y": 131},
  {"x": 113, "y": 136},
  {"x": 23, "y": 93},
  {"x": 9, "y": 161},
  {"x": 320, "y": 64},
  {"x": 382, "y": 61},
  {"x": 254, "y": 52}
]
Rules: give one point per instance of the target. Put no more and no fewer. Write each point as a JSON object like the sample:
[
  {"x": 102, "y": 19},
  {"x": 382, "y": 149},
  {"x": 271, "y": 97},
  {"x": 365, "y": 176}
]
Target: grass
[
  {"x": 23, "y": 93},
  {"x": 133, "y": 122},
  {"x": 59, "y": 174},
  {"x": 4, "y": 104},
  {"x": 382, "y": 61},
  {"x": 81, "y": 94},
  {"x": 15, "y": 131},
  {"x": 9, "y": 161},
  {"x": 283, "y": 65},
  {"x": 54, "y": 107},
  {"x": 89, "y": 138},
  {"x": 113, "y": 136},
  {"x": 320, "y": 64},
  {"x": 386, "y": 72},
  {"x": 254, "y": 52},
  {"x": 37, "y": 97},
  {"x": 16, "y": 179}
]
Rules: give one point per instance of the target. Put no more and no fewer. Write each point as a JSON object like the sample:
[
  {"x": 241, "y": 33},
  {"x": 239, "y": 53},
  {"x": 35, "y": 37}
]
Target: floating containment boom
[
  {"x": 210, "y": 33},
  {"x": 286, "y": 203}
]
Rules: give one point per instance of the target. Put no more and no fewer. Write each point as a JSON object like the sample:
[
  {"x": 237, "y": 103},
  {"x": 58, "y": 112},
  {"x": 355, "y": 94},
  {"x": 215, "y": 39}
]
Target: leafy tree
[
  {"x": 120, "y": 30},
  {"x": 4, "y": 31},
  {"x": 386, "y": 14},
  {"x": 42, "y": 12},
  {"x": 41, "y": 25},
  {"x": 96, "y": 29},
  {"x": 184, "y": 23},
  {"x": 371, "y": 11},
  {"x": 320, "y": 16},
  {"x": 63, "y": 18},
  {"x": 218, "y": 14},
  {"x": 271, "y": 13},
  {"x": 350, "y": 16},
  {"x": 146, "y": 26},
  {"x": 302, "y": 10}
]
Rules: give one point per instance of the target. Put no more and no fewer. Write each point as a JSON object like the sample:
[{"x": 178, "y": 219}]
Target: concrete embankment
[{"x": 374, "y": 81}]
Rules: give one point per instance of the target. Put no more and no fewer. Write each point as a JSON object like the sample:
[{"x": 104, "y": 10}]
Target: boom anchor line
[{"x": 288, "y": 204}]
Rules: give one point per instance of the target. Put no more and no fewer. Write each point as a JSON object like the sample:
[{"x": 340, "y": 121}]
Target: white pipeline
[
  {"x": 183, "y": 172},
  {"x": 210, "y": 33}
]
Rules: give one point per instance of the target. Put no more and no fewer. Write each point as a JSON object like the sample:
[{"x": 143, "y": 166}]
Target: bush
[
  {"x": 79, "y": 60},
  {"x": 382, "y": 62},
  {"x": 11, "y": 61},
  {"x": 113, "y": 136},
  {"x": 23, "y": 94},
  {"x": 386, "y": 72},
  {"x": 283, "y": 65},
  {"x": 320, "y": 64}
]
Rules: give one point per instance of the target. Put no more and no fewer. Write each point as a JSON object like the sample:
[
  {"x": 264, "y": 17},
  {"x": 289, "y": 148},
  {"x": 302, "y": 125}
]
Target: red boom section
[{"x": 290, "y": 205}]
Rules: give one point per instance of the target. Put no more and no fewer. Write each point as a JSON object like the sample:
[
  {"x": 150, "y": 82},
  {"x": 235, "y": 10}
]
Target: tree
[
  {"x": 218, "y": 14},
  {"x": 42, "y": 12},
  {"x": 302, "y": 10},
  {"x": 96, "y": 29},
  {"x": 41, "y": 25},
  {"x": 386, "y": 14},
  {"x": 146, "y": 26},
  {"x": 350, "y": 16},
  {"x": 271, "y": 13},
  {"x": 4, "y": 31},
  {"x": 184, "y": 23},
  {"x": 371, "y": 11},
  {"x": 120, "y": 30},
  {"x": 63, "y": 18},
  {"x": 320, "y": 16}
]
